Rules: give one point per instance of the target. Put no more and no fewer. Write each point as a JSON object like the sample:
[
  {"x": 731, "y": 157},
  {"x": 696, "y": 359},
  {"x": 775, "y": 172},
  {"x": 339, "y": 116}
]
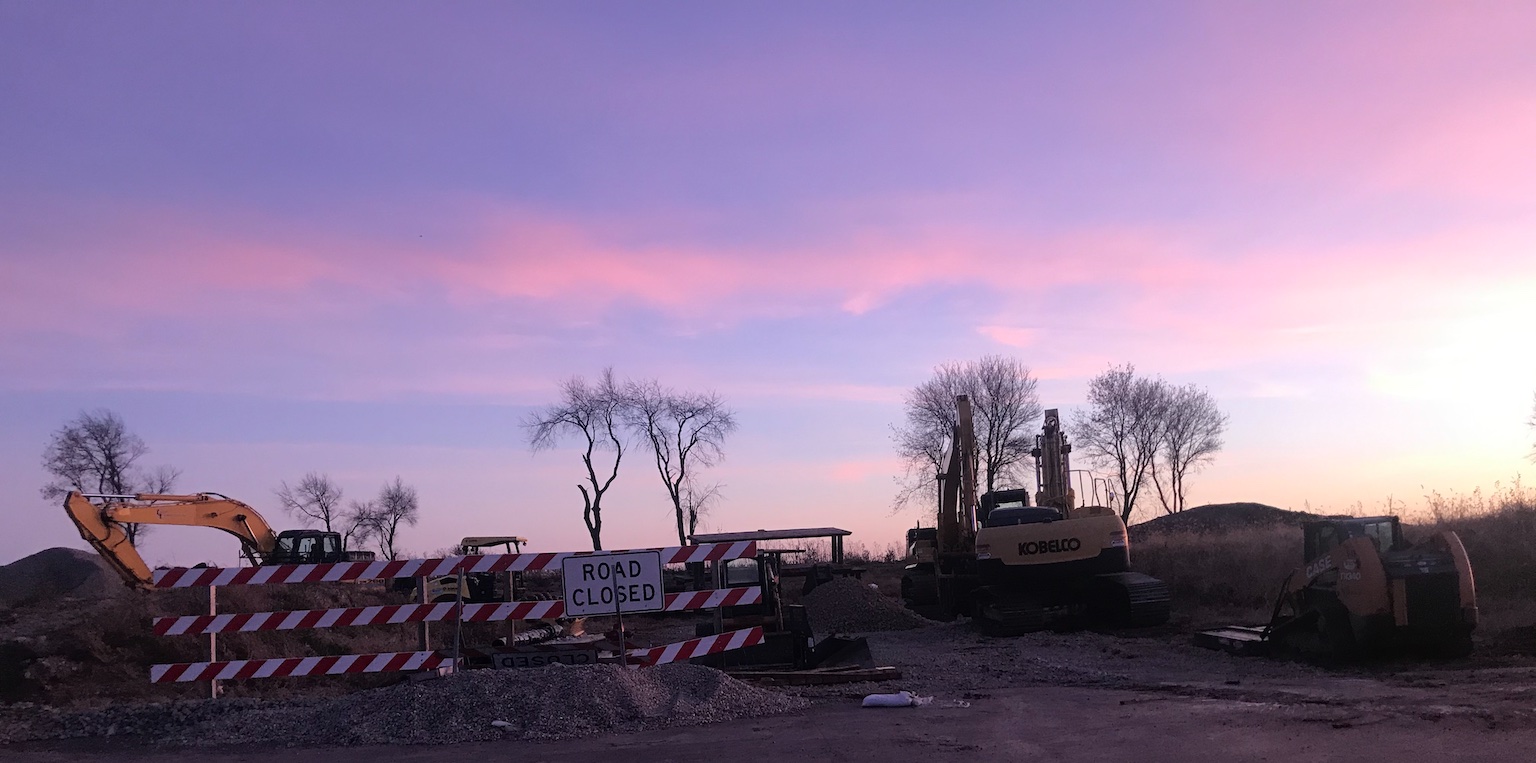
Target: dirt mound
[
  {"x": 558, "y": 702},
  {"x": 1219, "y": 517},
  {"x": 55, "y": 572},
  {"x": 847, "y": 606}
]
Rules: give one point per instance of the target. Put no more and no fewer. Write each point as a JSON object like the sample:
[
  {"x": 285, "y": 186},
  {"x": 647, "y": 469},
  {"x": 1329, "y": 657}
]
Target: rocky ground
[
  {"x": 949, "y": 662},
  {"x": 559, "y": 702}
]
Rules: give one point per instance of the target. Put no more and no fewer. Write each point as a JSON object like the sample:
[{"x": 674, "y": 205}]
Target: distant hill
[
  {"x": 55, "y": 572},
  {"x": 1217, "y": 517}
]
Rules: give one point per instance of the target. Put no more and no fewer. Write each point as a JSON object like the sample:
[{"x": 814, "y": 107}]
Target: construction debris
[
  {"x": 847, "y": 606},
  {"x": 557, "y": 702}
]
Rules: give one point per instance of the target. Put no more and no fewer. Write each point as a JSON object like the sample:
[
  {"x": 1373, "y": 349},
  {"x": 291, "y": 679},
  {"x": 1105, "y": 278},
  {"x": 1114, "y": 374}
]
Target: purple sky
[{"x": 364, "y": 238}]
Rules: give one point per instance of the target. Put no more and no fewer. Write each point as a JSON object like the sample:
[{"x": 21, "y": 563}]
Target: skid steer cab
[{"x": 481, "y": 587}]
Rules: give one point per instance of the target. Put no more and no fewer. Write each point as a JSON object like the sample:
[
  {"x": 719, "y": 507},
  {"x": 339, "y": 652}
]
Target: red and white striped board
[
  {"x": 389, "y": 662},
  {"x": 698, "y": 647},
  {"x": 304, "y": 619},
  {"x": 188, "y": 577}
]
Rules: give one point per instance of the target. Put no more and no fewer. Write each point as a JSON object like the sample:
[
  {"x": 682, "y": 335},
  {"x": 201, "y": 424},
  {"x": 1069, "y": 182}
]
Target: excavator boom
[{"x": 102, "y": 525}]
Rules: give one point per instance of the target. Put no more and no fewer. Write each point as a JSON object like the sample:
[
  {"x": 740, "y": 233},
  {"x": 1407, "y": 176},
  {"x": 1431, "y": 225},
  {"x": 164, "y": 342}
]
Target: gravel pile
[
  {"x": 56, "y": 572},
  {"x": 847, "y": 606},
  {"x": 551, "y": 703}
]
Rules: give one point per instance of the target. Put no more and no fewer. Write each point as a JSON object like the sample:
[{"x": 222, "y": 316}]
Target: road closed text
[
  {"x": 608, "y": 582},
  {"x": 613, "y": 582}
]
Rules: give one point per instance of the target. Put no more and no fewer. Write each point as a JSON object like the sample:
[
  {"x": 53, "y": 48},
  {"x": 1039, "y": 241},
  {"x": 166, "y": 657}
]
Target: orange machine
[
  {"x": 100, "y": 519},
  {"x": 1364, "y": 589}
]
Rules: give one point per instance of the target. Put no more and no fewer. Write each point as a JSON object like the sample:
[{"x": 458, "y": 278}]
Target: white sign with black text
[{"x": 603, "y": 584}]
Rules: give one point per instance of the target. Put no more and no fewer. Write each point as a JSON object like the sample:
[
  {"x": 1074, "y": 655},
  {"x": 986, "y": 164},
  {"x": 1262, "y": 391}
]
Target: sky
[{"x": 369, "y": 238}]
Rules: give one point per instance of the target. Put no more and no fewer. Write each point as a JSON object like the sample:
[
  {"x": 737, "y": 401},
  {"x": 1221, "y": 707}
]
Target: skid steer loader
[{"x": 1364, "y": 590}]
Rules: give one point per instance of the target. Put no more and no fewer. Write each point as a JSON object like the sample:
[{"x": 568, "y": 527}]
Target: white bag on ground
[{"x": 899, "y": 699}]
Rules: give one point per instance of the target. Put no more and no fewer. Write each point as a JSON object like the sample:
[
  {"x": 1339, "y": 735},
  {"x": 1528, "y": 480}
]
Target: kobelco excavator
[
  {"x": 100, "y": 519},
  {"x": 1013, "y": 567}
]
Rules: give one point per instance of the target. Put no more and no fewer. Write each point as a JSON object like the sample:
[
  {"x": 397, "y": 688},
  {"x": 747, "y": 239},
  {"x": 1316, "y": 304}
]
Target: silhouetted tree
[
  {"x": 360, "y": 523},
  {"x": 1191, "y": 437},
  {"x": 395, "y": 506},
  {"x": 1004, "y": 405},
  {"x": 1122, "y": 428},
  {"x": 95, "y": 453},
  {"x": 697, "y": 501},
  {"x": 685, "y": 431},
  {"x": 315, "y": 499},
  {"x": 594, "y": 416}
]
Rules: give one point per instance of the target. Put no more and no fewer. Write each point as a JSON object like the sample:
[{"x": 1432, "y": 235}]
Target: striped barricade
[
  {"x": 189, "y": 577},
  {"x": 698, "y": 647},
  {"x": 415, "y": 613},
  {"x": 391, "y": 662},
  {"x": 213, "y": 624}
]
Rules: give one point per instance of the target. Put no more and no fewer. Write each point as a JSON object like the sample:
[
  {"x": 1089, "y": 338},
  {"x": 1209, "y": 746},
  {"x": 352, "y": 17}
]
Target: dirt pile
[
  {"x": 847, "y": 606},
  {"x": 55, "y": 572},
  {"x": 1220, "y": 517},
  {"x": 551, "y": 703}
]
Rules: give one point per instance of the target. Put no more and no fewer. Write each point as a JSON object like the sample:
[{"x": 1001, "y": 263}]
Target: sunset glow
[{"x": 366, "y": 239}]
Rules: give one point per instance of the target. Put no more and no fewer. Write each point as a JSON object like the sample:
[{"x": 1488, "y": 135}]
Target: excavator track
[
  {"x": 1116, "y": 600},
  {"x": 998, "y": 612},
  {"x": 1129, "y": 600}
]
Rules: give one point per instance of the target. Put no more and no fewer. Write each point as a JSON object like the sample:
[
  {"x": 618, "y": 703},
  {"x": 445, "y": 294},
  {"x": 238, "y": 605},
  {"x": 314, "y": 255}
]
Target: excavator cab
[{"x": 306, "y": 547}]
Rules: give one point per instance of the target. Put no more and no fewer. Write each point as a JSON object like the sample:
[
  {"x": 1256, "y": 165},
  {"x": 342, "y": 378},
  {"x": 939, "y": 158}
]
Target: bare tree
[
  {"x": 315, "y": 499},
  {"x": 594, "y": 416},
  {"x": 159, "y": 480},
  {"x": 685, "y": 431},
  {"x": 395, "y": 506},
  {"x": 1122, "y": 428},
  {"x": 1005, "y": 405},
  {"x": 1192, "y": 427},
  {"x": 360, "y": 522},
  {"x": 697, "y": 501},
  {"x": 95, "y": 453}
]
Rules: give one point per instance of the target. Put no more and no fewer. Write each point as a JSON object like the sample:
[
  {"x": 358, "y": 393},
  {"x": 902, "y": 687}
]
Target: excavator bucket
[
  {"x": 109, "y": 539},
  {"x": 834, "y": 652}
]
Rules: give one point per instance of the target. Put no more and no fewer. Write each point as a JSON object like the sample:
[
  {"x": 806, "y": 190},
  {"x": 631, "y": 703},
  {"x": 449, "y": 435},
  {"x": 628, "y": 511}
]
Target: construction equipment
[
  {"x": 1364, "y": 590},
  {"x": 479, "y": 587},
  {"x": 788, "y": 641},
  {"x": 1025, "y": 568},
  {"x": 101, "y": 525}
]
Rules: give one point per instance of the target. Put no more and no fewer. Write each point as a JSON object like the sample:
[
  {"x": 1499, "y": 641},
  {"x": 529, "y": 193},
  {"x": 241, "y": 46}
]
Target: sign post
[{"x": 612, "y": 584}]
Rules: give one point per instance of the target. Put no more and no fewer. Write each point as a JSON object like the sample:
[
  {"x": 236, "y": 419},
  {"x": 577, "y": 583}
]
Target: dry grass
[
  {"x": 1499, "y": 531},
  {"x": 1240, "y": 569}
]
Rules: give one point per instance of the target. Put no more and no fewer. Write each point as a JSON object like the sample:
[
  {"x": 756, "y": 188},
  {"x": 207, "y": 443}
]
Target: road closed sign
[{"x": 605, "y": 584}]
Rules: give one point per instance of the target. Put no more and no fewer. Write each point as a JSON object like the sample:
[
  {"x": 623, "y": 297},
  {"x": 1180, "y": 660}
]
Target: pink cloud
[
  {"x": 1009, "y": 335},
  {"x": 860, "y": 470},
  {"x": 1431, "y": 99}
]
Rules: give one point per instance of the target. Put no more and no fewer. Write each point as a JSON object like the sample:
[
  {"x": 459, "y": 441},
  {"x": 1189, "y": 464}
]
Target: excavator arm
[{"x": 102, "y": 525}]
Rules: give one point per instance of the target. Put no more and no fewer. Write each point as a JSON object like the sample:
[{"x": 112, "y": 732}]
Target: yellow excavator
[
  {"x": 100, "y": 519},
  {"x": 1013, "y": 567}
]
